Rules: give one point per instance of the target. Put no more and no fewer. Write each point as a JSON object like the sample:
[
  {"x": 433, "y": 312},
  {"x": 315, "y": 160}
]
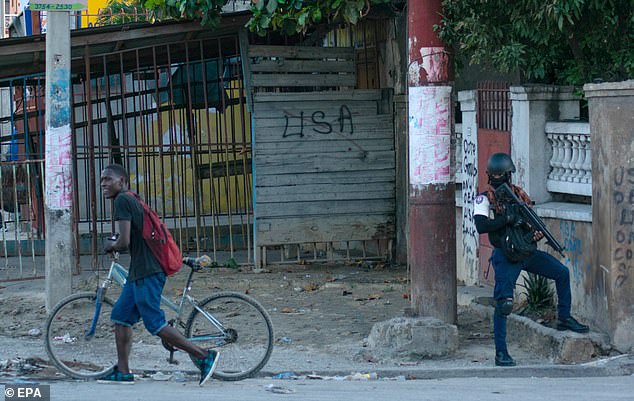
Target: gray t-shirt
[{"x": 142, "y": 262}]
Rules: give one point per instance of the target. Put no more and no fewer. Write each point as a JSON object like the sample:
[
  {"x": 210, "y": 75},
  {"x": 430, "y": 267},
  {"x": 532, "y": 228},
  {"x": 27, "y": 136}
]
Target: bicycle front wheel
[
  {"x": 242, "y": 333},
  {"x": 68, "y": 342}
]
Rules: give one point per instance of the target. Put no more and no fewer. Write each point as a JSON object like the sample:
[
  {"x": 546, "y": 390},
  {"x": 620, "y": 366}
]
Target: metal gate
[
  {"x": 175, "y": 115},
  {"x": 21, "y": 177},
  {"x": 166, "y": 102},
  {"x": 494, "y": 135}
]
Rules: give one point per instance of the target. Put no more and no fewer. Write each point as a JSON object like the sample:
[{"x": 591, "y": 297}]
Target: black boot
[
  {"x": 502, "y": 358},
  {"x": 570, "y": 323}
]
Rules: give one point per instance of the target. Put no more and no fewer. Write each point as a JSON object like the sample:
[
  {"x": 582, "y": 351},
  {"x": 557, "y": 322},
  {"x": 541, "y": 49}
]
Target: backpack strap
[{"x": 489, "y": 191}]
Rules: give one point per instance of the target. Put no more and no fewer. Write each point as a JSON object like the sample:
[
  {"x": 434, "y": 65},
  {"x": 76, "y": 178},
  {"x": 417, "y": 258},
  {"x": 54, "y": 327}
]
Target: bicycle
[{"x": 79, "y": 335}]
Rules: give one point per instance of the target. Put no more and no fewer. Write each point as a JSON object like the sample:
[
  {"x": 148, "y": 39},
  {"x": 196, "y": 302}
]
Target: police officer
[{"x": 490, "y": 218}]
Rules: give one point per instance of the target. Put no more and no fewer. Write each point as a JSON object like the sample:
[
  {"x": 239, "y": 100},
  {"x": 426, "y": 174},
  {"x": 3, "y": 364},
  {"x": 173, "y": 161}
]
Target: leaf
[
  {"x": 265, "y": 22},
  {"x": 271, "y": 6},
  {"x": 351, "y": 13},
  {"x": 259, "y": 5},
  {"x": 231, "y": 264}
]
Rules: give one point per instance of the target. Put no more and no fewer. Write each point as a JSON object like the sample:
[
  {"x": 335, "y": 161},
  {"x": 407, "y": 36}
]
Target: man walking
[{"x": 141, "y": 294}]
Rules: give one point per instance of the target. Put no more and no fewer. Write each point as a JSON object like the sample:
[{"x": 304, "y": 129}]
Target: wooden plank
[
  {"x": 321, "y": 66},
  {"x": 280, "y": 134},
  {"x": 333, "y": 144},
  {"x": 322, "y": 96},
  {"x": 285, "y": 80},
  {"x": 302, "y": 52},
  {"x": 324, "y": 192},
  {"x": 243, "y": 40},
  {"x": 290, "y": 196},
  {"x": 324, "y": 229},
  {"x": 337, "y": 177},
  {"x": 325, "y": 208},
  {"x": 383, "y": 121},
  {"x": 355, "y": 107},
  {"x": 353, "y": 161},
  {"x": 317, "y": 189}
]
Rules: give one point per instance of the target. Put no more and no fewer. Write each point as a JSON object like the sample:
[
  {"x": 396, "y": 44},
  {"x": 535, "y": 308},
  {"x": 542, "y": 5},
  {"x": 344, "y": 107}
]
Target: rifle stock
[{"x": 504, "y": 193}]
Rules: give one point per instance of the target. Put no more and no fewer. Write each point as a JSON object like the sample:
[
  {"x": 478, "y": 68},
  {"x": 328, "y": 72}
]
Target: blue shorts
[{"x": 141, "y": 299}]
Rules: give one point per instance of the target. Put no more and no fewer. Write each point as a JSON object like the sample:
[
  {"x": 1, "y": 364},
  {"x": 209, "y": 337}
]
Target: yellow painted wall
[
  {"x": 93, "y": 10},
  {"x": 172, "y": 175}
]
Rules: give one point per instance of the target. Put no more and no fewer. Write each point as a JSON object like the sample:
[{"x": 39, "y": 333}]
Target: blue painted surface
[{"x": 60, "y": 98}]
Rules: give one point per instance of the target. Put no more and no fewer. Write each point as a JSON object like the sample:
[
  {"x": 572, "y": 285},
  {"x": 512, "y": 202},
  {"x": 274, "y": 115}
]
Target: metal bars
[
  {"x": 174, "y": 114},
  {"x": 494, "y": 105},
  {"x": 20, "y": 202}
]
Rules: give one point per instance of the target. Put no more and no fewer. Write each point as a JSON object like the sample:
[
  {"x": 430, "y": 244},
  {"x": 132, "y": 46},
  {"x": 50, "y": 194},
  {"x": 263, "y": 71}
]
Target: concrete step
[{"x": 564, "y": 347}]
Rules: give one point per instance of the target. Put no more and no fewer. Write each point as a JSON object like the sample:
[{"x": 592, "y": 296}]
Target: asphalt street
[{"x": 618, "y": 388}]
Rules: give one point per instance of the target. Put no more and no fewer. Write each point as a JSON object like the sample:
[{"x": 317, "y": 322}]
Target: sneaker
[
  {"x": 502, "y": 358},
  {"x": 116, "y": 377},
  {"x": 207, "y": 366},
  {"x": 570, "y": 323}
]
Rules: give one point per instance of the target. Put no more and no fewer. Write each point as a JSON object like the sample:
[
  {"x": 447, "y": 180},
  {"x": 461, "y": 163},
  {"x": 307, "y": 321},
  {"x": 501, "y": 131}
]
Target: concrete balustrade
[{"x": 571, "y": 160}]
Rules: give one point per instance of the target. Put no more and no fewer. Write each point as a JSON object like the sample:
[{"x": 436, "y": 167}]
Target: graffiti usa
[{"x": 319, "y": 124}]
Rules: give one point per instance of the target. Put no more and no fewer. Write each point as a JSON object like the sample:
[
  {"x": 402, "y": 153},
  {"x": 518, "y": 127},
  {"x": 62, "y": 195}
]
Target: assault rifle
[{"x": 505, "y": 194}]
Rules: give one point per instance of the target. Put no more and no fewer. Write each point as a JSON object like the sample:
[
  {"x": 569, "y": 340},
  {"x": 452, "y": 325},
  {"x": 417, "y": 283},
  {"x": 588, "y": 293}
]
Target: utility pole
[
  {"x": 431, "y": 208},
  {"x": 59, "y": 181}
]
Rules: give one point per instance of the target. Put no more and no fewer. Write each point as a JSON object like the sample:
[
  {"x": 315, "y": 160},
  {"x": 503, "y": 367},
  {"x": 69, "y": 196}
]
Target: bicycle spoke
[
  {"x": 67, "y": 343},
  {"x": 247, "y": 341}
]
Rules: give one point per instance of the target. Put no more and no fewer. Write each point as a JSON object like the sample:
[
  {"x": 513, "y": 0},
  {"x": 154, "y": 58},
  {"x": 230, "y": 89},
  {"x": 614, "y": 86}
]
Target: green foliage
[
  {"x": 207, "y": 11},
  {"x": 287, "y": 17},
  {"x": 290, "y": 17},
  {"x": 549, "y": 41},
  {"x": 539, "y": 296}
]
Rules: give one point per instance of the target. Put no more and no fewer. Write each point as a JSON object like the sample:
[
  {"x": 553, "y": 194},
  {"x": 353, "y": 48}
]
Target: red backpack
[{"x": 158, "y": 238}]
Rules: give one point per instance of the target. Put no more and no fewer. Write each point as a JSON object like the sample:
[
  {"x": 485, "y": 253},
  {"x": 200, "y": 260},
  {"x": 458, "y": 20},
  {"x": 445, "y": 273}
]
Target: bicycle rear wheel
[
  {"x": 246, "y": 341},
  {"x": 66, "y": 341}
]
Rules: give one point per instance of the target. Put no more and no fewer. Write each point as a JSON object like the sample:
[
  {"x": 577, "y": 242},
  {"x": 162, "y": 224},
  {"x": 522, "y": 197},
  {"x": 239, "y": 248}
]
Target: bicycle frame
[{"x": 118, "y": 274}]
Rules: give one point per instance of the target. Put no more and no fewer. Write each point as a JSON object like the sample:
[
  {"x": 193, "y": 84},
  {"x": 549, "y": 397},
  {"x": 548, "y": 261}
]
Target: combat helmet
[{"x": 500, "y": 164}]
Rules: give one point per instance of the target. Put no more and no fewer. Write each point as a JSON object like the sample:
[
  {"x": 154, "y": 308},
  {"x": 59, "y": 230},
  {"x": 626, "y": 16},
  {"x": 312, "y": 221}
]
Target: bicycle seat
[{"x": 197, "y": 263}]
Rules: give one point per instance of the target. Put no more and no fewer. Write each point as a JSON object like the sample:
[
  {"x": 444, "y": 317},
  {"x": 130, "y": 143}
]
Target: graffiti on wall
[
  {"x": 623, "y": 257},
  {"x": 429, "y": 135},
  {"x": 470, "y": 236},
  {"x": 579, "y": 267},
  {"x": 295, "y": 124}
]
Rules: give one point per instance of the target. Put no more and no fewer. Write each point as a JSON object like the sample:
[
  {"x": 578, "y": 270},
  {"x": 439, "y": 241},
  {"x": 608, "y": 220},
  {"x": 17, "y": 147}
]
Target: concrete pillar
[
  {"x": 611, "y": 107},
  {"x": 58, "y": 137},
  {"x": 468, "y": 261},
  {"x": 532, "y": 107}
]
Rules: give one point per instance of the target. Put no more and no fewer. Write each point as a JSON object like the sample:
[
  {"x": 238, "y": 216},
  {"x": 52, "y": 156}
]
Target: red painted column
[{"x": 431, "y": 206}]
